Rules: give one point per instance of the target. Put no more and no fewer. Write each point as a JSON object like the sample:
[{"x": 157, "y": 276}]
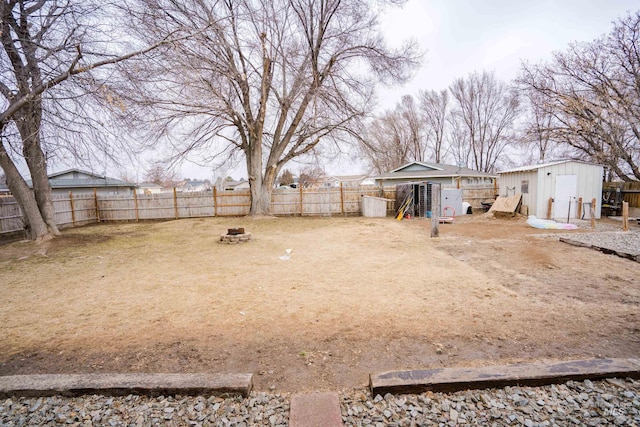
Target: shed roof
[{"x": 530, "y": 168}]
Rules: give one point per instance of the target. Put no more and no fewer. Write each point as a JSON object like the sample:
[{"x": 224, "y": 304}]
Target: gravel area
[
  {"x": 620, "y": 241},
  {"x": 609, "y": 402}
]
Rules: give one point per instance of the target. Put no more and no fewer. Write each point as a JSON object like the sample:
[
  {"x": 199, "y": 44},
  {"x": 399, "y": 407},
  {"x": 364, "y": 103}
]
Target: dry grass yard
[{"x": 358, "y": 295}]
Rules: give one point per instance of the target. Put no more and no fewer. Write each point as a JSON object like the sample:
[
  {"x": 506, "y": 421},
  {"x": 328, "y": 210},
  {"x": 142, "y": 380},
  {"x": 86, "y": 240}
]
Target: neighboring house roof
[
  {"x": 196, "y": 184},
  {"x": 345, "y": 178},
  {"x": 233, "y": 184},
  {"x": 4, "y": 188},
  {"x": 350, "y": 178},
  {"x": 76, "y": 178},
  {"x": 422, "y": 170},
  {"x": 530, "y": 168},
  {"x": 149, "y": 185}
]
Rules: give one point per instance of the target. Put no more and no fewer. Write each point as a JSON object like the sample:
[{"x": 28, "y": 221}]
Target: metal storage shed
[{"x": 566, "y": 182}]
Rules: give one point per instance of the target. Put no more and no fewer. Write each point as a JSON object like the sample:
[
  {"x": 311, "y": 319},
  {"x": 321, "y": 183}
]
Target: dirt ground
[{"x": 359, "y": 295}]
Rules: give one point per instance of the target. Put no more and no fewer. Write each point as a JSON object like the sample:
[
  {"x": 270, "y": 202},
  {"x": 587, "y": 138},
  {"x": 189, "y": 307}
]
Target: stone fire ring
[{"x": 237, "y": 238}]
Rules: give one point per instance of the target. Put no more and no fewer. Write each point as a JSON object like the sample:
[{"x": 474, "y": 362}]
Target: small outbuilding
[{"x": 565, "y": 188}]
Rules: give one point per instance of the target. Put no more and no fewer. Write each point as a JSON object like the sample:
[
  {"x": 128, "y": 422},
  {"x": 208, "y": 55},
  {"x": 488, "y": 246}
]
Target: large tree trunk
[
  {"x": 261, "y": 185},
  {"x": 29, "y": 128},
  {"x": 36, "y": 227},
  {"x": 260, "y": 198}
]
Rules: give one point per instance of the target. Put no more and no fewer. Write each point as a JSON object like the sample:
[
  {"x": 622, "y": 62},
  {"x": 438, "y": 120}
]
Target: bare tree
[
  {"x": 593, "y": 94},
  {"x": 387, "y": 143},
  {"x": 272, "y": 79},
  {"x": 435, "y": 109},
  {"x": 286, "y": 178},
  {"x": 459, "y": 142},
  {"x": 42, "y": 48},
  {"x": 311, "y": 177},
  {"x": 161, "y": 175},
  {"x": 396, "y": 137},
  {"x": 414, "y": 126},
  {"x": 537, "y": 137},
  {"x": 487, "y": 110}
]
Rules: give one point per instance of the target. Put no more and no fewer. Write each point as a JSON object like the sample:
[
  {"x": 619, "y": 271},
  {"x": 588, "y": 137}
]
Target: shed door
[{"x": 564, "y": 197}]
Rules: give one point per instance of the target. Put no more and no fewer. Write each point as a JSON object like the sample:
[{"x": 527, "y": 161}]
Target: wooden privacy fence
[
  {"x": 10, "y": 215},
  {"x": 475, "y": 195},
  {"x": 630, "y": 191},
  {"x": 303, "y": 201},
  {"x": 72, "y": 209}
]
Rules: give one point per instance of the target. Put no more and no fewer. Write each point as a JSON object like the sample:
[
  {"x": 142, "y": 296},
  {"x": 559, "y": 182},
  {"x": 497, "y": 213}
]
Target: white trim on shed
[{"x": 537, "y": 183}]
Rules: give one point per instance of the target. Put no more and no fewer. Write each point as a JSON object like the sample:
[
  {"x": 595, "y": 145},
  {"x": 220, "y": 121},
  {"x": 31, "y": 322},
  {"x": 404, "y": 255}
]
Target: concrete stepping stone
[{"x": 315, "y": 410}]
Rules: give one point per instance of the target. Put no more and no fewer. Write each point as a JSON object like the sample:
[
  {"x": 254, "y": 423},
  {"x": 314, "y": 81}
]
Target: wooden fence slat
[
  {"x": 135, "y": 205},
  {"x": 175, "y": 201},
  {"x": 301, "y": 202},
  {"x": 215, "y": 202},
  {"x": 95, "y": 196},
  {"x": 73, "y": 214}
]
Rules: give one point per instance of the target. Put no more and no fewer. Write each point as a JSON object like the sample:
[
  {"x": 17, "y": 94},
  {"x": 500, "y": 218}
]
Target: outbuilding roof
[{"x": 530, "y": 168}]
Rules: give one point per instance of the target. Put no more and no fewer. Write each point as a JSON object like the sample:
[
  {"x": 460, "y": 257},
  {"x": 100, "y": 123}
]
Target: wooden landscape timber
[
  {"x": 207, "y": 384},
  {"x": 632, "y": 256},
  {"x": 533, "y": 374}
]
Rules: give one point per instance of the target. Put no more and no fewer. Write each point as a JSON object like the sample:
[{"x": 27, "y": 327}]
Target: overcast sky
[{"x": 462, "y": 36}]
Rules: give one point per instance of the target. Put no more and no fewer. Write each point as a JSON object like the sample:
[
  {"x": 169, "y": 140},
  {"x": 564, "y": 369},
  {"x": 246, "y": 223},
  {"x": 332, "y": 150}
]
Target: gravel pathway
[
  {"x": 619, "y": 241},
  {"x": 609, "y": 402}
]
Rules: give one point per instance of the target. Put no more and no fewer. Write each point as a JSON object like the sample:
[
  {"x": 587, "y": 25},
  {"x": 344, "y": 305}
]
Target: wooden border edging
[
  {"x": 535, "y": 374},
  {"x": 124, "y": 384},
  {"x": 632, "y": 257}
]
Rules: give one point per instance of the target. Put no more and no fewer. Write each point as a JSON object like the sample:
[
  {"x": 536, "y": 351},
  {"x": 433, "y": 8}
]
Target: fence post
[
  {"x": 175, "y": 202},
  {"x": 593, "y": 213},
  {"x": 435, "y": 210},
  {"x": 73, "y": 213},
  {"x": 135, "y": 204},
  {"x": 341, "y": 199},
  {"x": 95, "y": 198},
  {"x": 579, "y": 210},
  {"x": 301, "y": 209},
  {"x": 215, "y": 202},
  {"x": 549, "y": 206},
  {"x": 625, "y": 216}
]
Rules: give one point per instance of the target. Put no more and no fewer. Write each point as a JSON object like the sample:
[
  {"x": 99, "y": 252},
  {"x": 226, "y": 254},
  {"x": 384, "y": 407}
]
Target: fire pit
[{"x": 235, "y": 235}]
